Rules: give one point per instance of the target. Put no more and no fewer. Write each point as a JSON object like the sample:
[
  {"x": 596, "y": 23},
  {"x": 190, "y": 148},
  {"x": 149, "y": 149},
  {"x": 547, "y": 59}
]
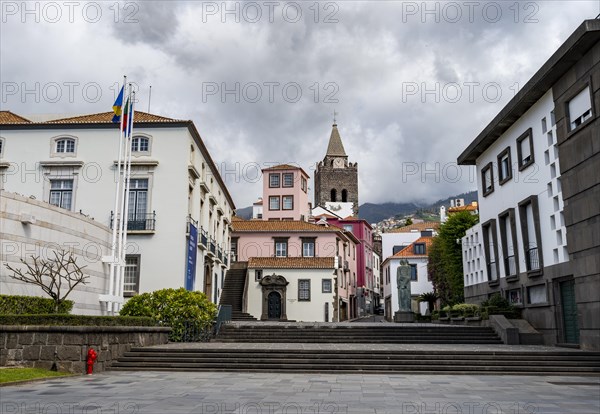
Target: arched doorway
[
  {"x": 207, "y": 280},
  {"x": 274, "y": 290},
  {"x": 333, "y": 195},
  {"x": 274, "y": 305}
]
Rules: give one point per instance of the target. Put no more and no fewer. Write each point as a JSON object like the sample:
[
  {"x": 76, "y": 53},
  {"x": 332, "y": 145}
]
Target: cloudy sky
[{"x": 413, "y": 82}]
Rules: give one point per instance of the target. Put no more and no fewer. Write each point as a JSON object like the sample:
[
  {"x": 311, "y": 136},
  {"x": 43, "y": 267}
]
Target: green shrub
[
  {"x": 55, "y": 319},
  {"x": 178, "y": 308},
  {"x": 31, "y": 305}
]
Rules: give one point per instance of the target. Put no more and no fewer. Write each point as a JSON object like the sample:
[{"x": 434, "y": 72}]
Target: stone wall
[{"x": 41, "y": 346}]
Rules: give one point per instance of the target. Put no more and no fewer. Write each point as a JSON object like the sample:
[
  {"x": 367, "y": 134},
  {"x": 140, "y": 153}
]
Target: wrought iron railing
[
  {"x": 212, "y": 246},
  {"x": 533, "y": 259},
  {"x": 189, "y": 221},
  {"x": 220, "y": 253},
  {"x": 510, "y": 265},
  {"x": 223, "y": 317},
  {"x": 203, "y": 236},
  {"x": 193, "y": 332},
  {"x": 145, "y": 221}
]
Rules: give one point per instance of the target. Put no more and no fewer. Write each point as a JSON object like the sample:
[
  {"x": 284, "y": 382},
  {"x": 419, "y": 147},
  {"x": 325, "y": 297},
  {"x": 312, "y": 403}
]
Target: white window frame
[
  {"x": 308, "y": 248},
  {"x": 271, "y": 200},
  {"x": 135, "y": 148},
  {"x": 281, "y": 248},
  {"x": 61, "y": 191},
  {"x": 283, "y": 180},
  {"x": 54, "y": 146},
  {"x": 288, "y": 199}
]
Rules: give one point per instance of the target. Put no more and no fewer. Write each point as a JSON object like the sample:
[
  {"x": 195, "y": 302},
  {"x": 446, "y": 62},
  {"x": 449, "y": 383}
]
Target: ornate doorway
[
  {"x": 274, "y": 305},
  {"x": 274, "y": 289}
]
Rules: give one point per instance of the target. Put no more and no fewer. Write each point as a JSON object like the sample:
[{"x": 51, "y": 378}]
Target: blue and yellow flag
[{"x": 117, "y": 106}]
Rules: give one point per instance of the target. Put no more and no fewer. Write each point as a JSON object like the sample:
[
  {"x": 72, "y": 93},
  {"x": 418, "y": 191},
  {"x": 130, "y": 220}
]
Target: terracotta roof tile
[
  {"x": 470, "y": 207},
  {"x": 291, "y": 262},
  {"x": 268, "y": 226},
  {"x": 7, "y": 117},
  {"x": 106, "y": 117},
  {"x": 409, "y": 251},
  {"x": 282, "y": 167},
  {"x": 417, "y": 227}
]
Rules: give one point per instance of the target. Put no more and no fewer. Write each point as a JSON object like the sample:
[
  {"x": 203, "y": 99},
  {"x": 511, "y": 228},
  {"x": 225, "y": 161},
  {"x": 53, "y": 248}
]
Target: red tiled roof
[
  {"x": 417, "y": 227},
  {"x": 409, "y": 251},
  {"x": 470, "y": 207},
  {"x": 106, "y": 117},
  {"x": 291, "y": 262},
  {"x": 7, "y": 117},
  {"x": 279, "y": 226}
]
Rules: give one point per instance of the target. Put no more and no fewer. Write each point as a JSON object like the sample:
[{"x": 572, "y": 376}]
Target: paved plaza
[{"x": 217, "y": 393}]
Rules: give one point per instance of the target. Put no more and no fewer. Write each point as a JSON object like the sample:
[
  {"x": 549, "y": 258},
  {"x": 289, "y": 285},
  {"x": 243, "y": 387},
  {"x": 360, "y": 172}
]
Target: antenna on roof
[{"x": 149, "y": 98}]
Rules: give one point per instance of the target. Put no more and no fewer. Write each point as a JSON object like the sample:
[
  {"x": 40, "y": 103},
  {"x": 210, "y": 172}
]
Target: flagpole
[
  {"x": 128, "y": 150},
  {"x": 114, "y": 265}
]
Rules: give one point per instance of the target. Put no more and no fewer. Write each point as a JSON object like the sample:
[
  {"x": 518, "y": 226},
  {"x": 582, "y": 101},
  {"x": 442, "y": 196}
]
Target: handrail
[{"x": 223, "y": 316}]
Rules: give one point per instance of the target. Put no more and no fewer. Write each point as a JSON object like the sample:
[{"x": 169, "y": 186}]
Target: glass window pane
[
  {"x": 70, "y": 145},
  {"x": 60, "y": 146},
  {"x": 66, "y": 200}
]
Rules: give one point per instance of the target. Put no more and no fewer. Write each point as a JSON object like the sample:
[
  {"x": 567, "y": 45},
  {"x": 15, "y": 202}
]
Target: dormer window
[
  {"x": 140, "y": 144},
  {"x": 65, "y": 146},
  {"x": 419, "y": 248}
]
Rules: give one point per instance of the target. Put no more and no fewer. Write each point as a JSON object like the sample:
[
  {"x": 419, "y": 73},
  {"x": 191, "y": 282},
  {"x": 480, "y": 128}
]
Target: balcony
[
  {"x": 212, "y": 246},
  {"x": 143, "y": 223},
  {"x": 346, "y": 266},
  {"x": 533, "y": 259},
  {"x": 203, "y": 239},
  {"x": 189, "y": 221},
  {"x": 219, "y": 253}
]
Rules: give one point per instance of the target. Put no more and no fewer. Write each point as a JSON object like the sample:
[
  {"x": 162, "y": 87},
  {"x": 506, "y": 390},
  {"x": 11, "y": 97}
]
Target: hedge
[
  {"x": 31, "y": 305},
  {"x": 55, "y": 319}
]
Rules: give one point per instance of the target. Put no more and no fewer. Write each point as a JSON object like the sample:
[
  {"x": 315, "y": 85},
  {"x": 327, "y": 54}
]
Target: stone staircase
[
  {"x": 359, "y": 334},
  {"x": 366, "y": 360},
  {"x": 233, "y": 291}
]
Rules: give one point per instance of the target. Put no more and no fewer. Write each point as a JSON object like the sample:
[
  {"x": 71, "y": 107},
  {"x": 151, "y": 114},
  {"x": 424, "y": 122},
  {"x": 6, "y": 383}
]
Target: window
[
  {"x": 580, "y": 108},
  {"x": 326, "y": 286},
  {"x": 525, "y": 149},
  {"x": 142, "y": 144},
  {"x": 132, "y": 275},
  {"x": 1, "y": 146},
  {"x": 61, "y": 193},
  {"x": 138, "y": 204},
  {"x": 258, "y": 275},
  {"x": 490, "y": 246},
  {"x": 274, "y": 203},
  {"x": 333, "y": 195},
  {"x": 274, "y": 180},
  {"x": 413, "y": 272},
  {"x": 487, "y": 179},
  {"x": 288, "y": 179},
  {"x": 304, "y": 290},
  {"x": 504, "y": 166},
  {"x": 304, "y": 184},
  {"x": 530, "y": 231},
  {"x": 281, "y": 248},
  {"x": 344, "y": 196},
  {"x": 288, "y": 202},
  {"x": 348, "y": 227},
  {"x": 419, "y": 248},
  {"x": 65, "y": 145},
  {"x": 537, "y": 294},
  {"x": 514, "y": 296},
  {"x": 508, "y": 238},
  {"x": 308, "y": 247}
]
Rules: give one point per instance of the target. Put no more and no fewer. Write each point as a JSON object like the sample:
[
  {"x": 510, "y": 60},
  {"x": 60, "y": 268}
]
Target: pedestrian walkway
[{"x": 258, "y": 393}]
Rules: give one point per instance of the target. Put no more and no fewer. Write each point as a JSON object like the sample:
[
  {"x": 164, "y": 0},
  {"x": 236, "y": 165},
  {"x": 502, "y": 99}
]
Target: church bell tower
[{"x": 336, "y": 179}]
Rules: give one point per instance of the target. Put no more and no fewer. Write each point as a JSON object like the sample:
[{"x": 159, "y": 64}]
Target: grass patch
[{"x": 26, "y": 374}]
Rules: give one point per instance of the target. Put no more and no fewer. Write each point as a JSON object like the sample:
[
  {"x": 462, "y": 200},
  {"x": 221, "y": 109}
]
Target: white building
[
  {"x": 533, "y": 247},
  {"x": 395, "y": 240},
  {"x": 416, "y": 254},
  {"x": 175, "y": 186}
]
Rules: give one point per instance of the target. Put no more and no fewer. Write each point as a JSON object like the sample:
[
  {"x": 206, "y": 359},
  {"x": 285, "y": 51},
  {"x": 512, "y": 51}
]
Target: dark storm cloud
[{"x": 366, "y": 66}]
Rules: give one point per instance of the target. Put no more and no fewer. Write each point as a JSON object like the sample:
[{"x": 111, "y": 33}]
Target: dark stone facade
[
  {"x": 579, "y": 154},
  {"x": 41, "y": 346},
  {"x": 329, "y": 177}
]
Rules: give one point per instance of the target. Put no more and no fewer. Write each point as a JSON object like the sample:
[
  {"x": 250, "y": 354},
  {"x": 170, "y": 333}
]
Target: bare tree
[{"x": 56, "y": 276}]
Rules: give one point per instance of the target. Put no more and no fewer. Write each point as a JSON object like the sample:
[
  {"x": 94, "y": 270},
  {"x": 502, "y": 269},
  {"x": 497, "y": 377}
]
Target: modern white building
[
  {"x": 531, "y": 246},
  {"x": 416, "y": 254},
  {"x": 395, "y": 240},
  {"x": 175, "y": 190}
]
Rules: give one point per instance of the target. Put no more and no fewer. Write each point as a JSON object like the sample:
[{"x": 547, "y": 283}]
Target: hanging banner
[{"x": 192, "y": 252}]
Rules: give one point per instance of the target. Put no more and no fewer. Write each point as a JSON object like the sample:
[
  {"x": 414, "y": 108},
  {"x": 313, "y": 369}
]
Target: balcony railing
[
  {"x": 189, "y": 221},
  {"x": 492, "y": 274},
  {"x": 212, "y": 246},
  {"x": 136, "y": 222},
  {"x": 203, "y": 237},
  {"x": 220, "y": 253},
  {"x": 533, "y": 259},
  {"x": 510, "y": 265}
]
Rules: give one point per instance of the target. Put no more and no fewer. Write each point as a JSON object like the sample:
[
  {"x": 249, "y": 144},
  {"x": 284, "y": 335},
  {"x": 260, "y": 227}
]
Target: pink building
[{"x": 285, "y": 193}]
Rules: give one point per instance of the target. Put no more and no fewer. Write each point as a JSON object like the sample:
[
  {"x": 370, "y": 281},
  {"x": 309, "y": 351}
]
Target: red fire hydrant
[{"x": 91, "y": 359}]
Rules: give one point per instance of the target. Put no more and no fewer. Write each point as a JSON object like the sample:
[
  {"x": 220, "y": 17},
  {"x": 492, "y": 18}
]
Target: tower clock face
[{"x": 338, "y": 163}]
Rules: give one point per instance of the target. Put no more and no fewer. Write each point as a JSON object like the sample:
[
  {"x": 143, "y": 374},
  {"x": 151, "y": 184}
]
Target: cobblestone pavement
[{"x": 218, "y": 393}]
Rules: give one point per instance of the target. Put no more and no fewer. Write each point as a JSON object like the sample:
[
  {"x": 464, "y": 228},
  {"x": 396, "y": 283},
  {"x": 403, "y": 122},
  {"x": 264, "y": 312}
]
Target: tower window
[
  {"x": 333, "y": 195},
  {"x": 344, "y": 196}
]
